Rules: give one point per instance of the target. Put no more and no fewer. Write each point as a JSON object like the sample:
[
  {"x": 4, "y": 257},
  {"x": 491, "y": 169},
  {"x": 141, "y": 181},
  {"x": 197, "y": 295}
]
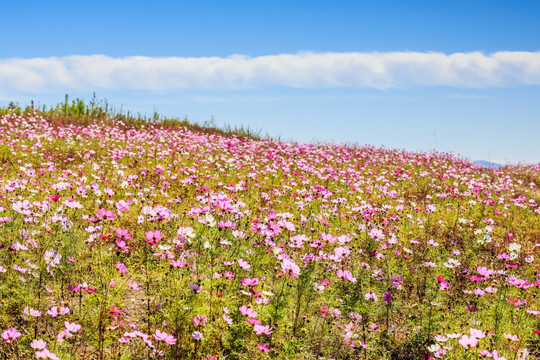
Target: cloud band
[{"x": 301, "y": 70}]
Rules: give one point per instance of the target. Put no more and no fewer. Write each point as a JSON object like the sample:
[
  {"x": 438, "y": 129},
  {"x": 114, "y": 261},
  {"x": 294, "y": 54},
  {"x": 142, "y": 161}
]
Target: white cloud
[{"x": 302, "y": 70}]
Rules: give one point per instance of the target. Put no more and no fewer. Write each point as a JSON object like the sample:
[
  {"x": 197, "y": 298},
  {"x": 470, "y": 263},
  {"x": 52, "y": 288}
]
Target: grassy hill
[{"x": 131, "y": 238}]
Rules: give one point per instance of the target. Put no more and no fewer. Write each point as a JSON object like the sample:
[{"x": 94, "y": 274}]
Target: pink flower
[
  {"x": 244, "y": 310},
  {"x": 122, "y": 206},
  {"x": 58, "y": 310},
  {"x": 178, "y": 263},
  {"x": 443, "y": 284},
  {"x": 197, "y": 335},
  {"x": 46, "y": 354},
  {"x": 432, "y": 243},
  {"x": 477, "y": 333},
  {"x": 346, "y": 275},
  {"x": 121, "y": 267},
  {"x": 72, "y": 327},
  {"x": 38, "y": 344},
  {"x": 163, "y": 336},
  {"x": 253, "y": 321},
  {"x": 228, "y": 225},
  {"x": 328, "y": 237},
  {"x": 485, "y": 353},
  {"x": 227, "y": 319},
  {"x": 495, "y": 356},
  {"x": 31, "y": 312},
  {"x": 441, "y": 338},
  {"x": 263, "y": 347},
  {"x": 64, "y": 334},
  {"x": 10, "y": 335},
  {"x": 199, "y": 320},
  {"x": 122, "y": 245},
  {"x": 123, "y": 233},
  {"x": 105, "y": 214},
  {"x": 259, "y": 329},
  {"x": 132, "y": 284},
  {"x": 371, "y": 296},
  {"x": 289, "y": 267},
  {"x": 244, "y": 264},
  {"x": 468, "y": 342}
]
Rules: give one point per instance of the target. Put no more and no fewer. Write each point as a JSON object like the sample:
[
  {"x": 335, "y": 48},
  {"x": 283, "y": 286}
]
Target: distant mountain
[{"x": 488, "y": 164}]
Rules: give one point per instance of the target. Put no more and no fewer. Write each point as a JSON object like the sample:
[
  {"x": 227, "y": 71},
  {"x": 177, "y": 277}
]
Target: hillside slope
[{"x": 159, "y": 240}]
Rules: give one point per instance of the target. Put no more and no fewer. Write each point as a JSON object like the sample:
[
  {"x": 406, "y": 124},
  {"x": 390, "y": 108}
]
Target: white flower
[
  {"x": 52, "y": 257},
  {"x": 434, "y": 347},
  {"x": 451, "y": 263},
  {"x": 514, "y": 247}
]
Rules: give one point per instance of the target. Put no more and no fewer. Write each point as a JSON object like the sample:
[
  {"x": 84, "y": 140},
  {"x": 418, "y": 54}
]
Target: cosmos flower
[
  {"x": 260, "y": 330},
  {"x": 10, "y": 335}
]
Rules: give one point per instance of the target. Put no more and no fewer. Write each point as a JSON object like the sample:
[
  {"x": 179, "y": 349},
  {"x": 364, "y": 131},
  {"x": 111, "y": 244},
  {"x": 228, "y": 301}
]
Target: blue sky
[{"x": 459, "y": 76}]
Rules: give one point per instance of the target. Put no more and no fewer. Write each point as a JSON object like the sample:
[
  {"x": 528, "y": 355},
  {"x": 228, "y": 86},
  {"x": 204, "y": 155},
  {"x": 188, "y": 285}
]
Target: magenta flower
[
  {"x": 250, "y": 282},
  {"x": 123, "y": 234},
  {"x": 443, "y": 284},
  {"x": 153, "y": 237}
]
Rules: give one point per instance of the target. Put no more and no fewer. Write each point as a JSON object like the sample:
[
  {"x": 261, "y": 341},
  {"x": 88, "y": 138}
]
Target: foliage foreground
[{"x": 156, "y": 242}]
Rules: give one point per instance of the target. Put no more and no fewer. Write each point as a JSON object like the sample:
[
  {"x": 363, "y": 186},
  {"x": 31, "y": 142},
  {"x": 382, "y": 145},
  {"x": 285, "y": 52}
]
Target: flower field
[{"x": 122, "y": 240}]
